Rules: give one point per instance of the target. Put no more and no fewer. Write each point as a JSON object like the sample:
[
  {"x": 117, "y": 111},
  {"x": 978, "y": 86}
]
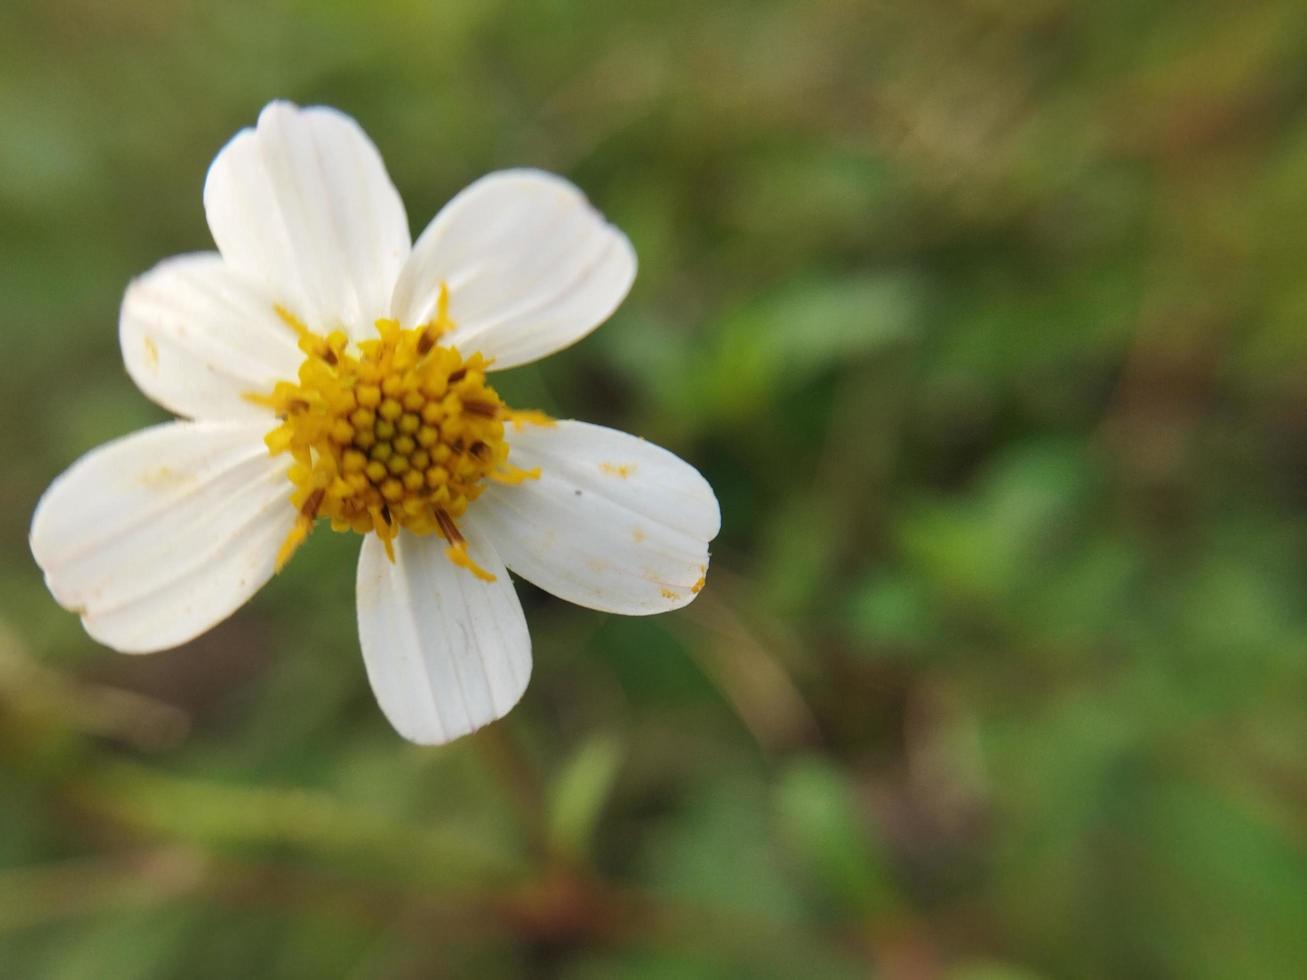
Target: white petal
[
  {"x": 614, "y": 523},
  {"x": 445, "y": 652},
  {"x": 155, "y": 537},
  {"x": 531, "y": 267},
  {"x": 197, "y": 336},
  {"x": 304, "y": 204}
]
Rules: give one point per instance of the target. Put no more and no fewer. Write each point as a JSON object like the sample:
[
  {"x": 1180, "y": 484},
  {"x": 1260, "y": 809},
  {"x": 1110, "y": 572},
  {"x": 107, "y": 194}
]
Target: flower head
[{"x": 327, "y": 370}]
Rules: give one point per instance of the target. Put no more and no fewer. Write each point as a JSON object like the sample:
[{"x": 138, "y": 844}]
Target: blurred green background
[{"x": 987, "y": 320}]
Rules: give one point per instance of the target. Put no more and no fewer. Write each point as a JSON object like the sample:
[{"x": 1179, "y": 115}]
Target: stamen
[
  {"x": 527, "y": 416},
  {"x": 310, "y": 507},
  {"x": 457, "y": 550},
  {"x": 292, "y": 321},
  {"x": 457, "y": 553},
  {"x": 513, "y": 475},
  {"x": 448, "y": 528}
]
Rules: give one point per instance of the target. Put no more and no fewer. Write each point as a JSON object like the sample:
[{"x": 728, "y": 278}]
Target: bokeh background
[{"x": 987, "y": 319}]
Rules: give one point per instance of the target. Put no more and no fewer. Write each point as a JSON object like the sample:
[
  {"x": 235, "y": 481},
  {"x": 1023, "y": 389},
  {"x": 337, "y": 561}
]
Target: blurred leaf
[
  {"x": 655, "y": 966},
  {"x": 1024, "y": 510},
  {"x": 991, "y": 971},
  {"x": 716, "y": 851},
  {"x": 209, "y": 813},
  {"x": 821, "y": 820},
  {"x": 798, "y": 549},
  {"x": 127, "y": 944},
  {"x": 890, "y": 609},
  {"x": 783, "y": 341},
  {"x": 579, "y": 793}
]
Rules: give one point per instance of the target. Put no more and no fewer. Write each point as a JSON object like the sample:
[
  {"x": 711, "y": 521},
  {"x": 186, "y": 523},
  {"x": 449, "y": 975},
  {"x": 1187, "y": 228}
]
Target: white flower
[{"x": 326, "y": 369}]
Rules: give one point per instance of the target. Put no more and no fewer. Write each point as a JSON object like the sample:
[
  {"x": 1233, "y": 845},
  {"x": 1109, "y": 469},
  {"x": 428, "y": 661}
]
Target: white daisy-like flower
[{"x": 328, "y": 369}]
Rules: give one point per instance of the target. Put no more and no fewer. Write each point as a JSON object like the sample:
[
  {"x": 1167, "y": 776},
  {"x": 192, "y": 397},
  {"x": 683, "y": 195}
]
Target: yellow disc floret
[{"x": 393, "y": 432}]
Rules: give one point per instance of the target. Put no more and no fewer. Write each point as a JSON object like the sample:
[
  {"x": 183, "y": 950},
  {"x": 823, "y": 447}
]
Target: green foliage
[
  {"x": 986, "y": 322},
  {"x": 579, "y": 793}
]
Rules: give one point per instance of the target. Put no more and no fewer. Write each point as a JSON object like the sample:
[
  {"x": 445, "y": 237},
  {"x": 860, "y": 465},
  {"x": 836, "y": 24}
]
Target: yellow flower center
[{"x": 393, "y": 432}]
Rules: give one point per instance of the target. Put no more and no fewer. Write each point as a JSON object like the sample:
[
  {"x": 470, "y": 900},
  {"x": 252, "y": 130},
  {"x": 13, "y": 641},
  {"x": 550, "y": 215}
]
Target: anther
[
  {"x": 310, "y": 506},
  {"x": 448, "y": 528}
]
